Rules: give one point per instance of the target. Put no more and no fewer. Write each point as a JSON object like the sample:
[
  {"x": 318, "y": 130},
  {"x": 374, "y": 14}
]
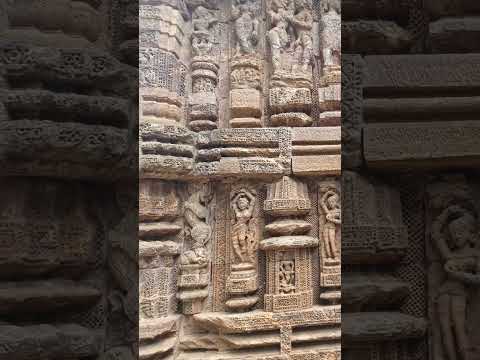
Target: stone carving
[
  {"x": 290, "y": 35},
  {"x": 246, "y": 67},
  {"x": 288, "y": 255},
  {"x": 330, "y": 25},
  {"x": 203, "y": 106},
  {"x": 244, "y": 237},
  {"x": 330, "y": 203},
  {"x": 230, "y": 222},
  {"x": 290, "y": 42},
  {"x": 246, "y": 26},
  {"x": 455, "y": 248},
  {"x": 243, "y": 280},
  {"x": 330, "y": 219},
  {"x": 454, "y": 255},
  {"x": 68, "y": 247},
  {"x": 194, "y": 263},
  {"x": 397, "y": 72}
]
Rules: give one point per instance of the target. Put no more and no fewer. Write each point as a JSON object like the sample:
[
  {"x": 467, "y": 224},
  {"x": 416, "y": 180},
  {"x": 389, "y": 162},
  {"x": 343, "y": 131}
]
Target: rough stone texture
[
  {"x": 410, "y": 92},
  {"x": 68, "y": 242},
  {"x": 239, "y": 193}
]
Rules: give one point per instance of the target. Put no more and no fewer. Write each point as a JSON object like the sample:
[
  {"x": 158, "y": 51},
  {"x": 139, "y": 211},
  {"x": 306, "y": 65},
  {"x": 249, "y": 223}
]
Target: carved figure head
[
  {"x": 243, "y": 202},
  {"x": 462, "y": 229},
  {"x": 333, "y": 202}
]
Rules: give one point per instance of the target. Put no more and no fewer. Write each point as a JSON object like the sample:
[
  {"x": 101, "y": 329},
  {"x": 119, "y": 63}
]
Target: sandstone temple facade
[
  {"x": 240, "y": 196},
  {"x": 410, "y": 155},
  {"x": 68, "y": 150}
]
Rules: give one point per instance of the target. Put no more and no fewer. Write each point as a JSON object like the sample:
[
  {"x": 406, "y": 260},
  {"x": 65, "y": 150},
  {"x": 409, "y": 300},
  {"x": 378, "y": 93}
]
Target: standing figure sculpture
[
  {"x": 303, "y": 23},
  {"x": 331, "y": 206},
  {"x": 244, "y": 237},
  {"x": 245, "y": 25},
  {"x": 282, "y": 12},
  {"x": 330, "y": 27},
  {"x": 203, "y": 21},
  {"x": 455, "y": 235}
]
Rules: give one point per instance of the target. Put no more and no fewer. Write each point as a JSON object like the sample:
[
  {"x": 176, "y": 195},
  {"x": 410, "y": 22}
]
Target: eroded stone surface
[{"x": 229, "y": 152}]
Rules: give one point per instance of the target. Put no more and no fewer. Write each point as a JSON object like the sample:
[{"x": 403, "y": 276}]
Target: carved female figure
[
  {"x": 455, "y": 235},
  {"x": 331, "y": 206},
  {"x": 243, "y": 232},
  {"x": 246, "y": 26}
]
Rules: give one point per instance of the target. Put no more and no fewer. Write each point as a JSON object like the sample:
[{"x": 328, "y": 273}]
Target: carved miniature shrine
[{"x": 240, "y": 203}]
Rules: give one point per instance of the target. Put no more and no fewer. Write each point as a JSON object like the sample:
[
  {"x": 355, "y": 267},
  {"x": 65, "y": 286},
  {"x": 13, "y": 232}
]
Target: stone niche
[{"x": 239, "y": 180}]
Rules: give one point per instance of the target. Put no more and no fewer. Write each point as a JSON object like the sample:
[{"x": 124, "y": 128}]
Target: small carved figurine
[
  {"x": 330, "y": 203},
  {"x": 244, "y": 237}
]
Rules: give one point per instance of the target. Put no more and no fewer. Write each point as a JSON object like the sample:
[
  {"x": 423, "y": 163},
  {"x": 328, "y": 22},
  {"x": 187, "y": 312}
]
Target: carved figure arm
[
  {"x": 334, "y": 218},
  {"x": 323, "y": 200}
]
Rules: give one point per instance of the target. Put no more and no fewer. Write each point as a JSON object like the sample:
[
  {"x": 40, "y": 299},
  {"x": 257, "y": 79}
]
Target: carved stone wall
[
  {"x": 68, "y": 109},
  {"x": 410, "y": 83},
  {"x": 239, "y": 163}
]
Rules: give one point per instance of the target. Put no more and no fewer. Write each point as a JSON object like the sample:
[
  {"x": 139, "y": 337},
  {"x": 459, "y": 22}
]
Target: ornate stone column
[
  {"x": 203, "y": 105},
  {"x": 289, "y": 257}
]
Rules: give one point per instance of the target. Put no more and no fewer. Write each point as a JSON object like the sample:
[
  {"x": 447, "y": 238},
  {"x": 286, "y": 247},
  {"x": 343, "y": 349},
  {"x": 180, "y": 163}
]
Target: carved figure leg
[
  {"x": 458, "y": 310},
  {"x": 236, "y": 247},
  {"x": 331, "y": 241},
  {"x": 307, "y": 50},
  {"x": 275, "y": 46},
  {"x": 330, "y": 247},
  {"x": 445, "y": 318}
]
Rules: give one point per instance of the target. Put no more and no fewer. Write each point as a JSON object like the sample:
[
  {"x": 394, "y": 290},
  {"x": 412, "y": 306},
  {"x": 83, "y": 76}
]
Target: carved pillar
[
  {"x": 246, "y": 66},
  {"x": 289, "y": 257},
  {"x": 162, "y": 59},
  {"x": 330, "y": 223},
  {"x": 291, "y": 50},
  {"x": 194, "y": 263},
  {"x": 161, "y": 236},
  {"x": 203, "y": 104},
  {"x": 242, "y": 282}
]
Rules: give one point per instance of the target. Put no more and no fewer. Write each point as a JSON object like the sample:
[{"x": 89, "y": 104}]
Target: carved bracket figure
[{"x": 194, "y": 263}]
